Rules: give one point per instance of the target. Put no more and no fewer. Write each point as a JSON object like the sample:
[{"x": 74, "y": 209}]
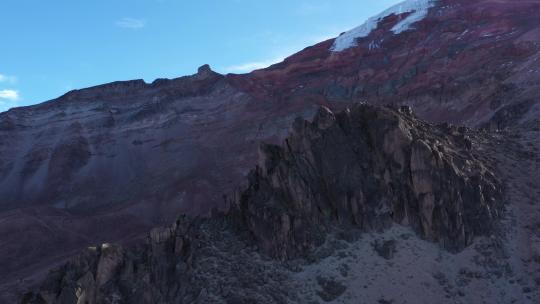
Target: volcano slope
[
  {"x": 370, "y": 205},
  {"x": 107, "y": 163}
]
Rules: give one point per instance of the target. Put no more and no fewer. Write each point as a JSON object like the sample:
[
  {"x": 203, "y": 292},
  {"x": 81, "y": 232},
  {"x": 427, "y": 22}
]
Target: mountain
[
  {"x": 369, "y": 203},
  {"x": 105, "y": 164},
  {"x": 342, "y": 174},
  {"x": 468, "y": 62}
]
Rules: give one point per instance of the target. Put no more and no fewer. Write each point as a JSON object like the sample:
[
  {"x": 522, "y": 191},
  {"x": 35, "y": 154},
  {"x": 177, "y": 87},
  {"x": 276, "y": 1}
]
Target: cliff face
[
  {"x": 366, "y": 168},
  {"x": 110, "y": 162},
  {"x": 360, "y": 170}
]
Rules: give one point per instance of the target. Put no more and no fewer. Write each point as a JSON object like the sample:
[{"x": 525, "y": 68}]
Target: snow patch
[{"x": 418, "y": 9}]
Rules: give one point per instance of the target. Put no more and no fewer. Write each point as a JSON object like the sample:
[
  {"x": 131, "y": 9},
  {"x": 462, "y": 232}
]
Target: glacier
[{"x": 418, "y": 9}]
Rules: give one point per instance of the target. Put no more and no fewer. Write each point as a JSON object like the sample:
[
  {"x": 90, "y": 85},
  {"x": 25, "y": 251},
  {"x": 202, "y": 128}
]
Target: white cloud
[
  {"x": 8, "y": 99},
  {"x": 8, "y": 79},
  {"x": 131, "y": 23},
  {"x": 9, "y": 95},
  {"x": 251, "y": 66}
]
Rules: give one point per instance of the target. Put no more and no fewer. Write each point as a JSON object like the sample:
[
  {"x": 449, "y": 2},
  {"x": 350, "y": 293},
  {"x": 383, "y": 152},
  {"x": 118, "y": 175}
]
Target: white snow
[{"x": 418, "y": 9}]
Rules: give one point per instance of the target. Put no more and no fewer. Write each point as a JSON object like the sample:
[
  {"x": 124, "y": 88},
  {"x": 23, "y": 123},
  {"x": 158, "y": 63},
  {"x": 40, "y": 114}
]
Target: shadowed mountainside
[{"x": 359, "y": 170}]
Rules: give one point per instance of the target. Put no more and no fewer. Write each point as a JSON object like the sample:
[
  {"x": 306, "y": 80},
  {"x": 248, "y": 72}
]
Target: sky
[{"x": 49, "y": 47}]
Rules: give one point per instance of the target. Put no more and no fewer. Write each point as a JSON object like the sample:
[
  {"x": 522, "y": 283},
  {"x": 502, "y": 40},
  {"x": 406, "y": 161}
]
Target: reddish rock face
[
  {"x": 467, "y": 62},
  {"x": 106, "y": 163}
]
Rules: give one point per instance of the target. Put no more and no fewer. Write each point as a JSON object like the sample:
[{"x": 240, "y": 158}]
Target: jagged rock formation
[
  {"x": 360, "y": 170},
  {"x": 192, "y": 261},
  {"x": 368, "y": 167}
]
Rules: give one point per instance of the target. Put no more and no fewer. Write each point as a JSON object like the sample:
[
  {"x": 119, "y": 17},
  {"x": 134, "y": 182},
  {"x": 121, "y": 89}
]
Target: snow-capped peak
[{"x": 418, "y": 9}]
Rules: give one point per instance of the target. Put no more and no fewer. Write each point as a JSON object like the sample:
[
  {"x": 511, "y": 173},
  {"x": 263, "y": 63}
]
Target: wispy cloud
[
  {"x": 306, "y": 9},
  {"x": 278, "y": 55},
  {"x": 251, "y": 66},
  {"x": 131, "y": 23},
  {"x": 9, "y": 95},
  {"x": 8, "y": 79}
]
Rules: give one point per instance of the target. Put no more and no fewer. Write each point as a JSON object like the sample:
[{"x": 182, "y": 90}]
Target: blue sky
[{"x": 49, "y": 47}]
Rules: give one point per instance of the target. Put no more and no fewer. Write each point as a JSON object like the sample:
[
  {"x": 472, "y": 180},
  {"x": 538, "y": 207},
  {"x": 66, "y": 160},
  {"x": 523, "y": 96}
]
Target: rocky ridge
[
  {"x": 368, "y": 167},
  {"x": 359, "y": 170}
]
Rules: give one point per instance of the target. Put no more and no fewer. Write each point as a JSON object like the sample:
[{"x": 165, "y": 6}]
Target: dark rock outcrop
[
  {"x": 193, "y": 261},
  {"x": 364, "y": 168},
  {"x": 368, "y": 167}
]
